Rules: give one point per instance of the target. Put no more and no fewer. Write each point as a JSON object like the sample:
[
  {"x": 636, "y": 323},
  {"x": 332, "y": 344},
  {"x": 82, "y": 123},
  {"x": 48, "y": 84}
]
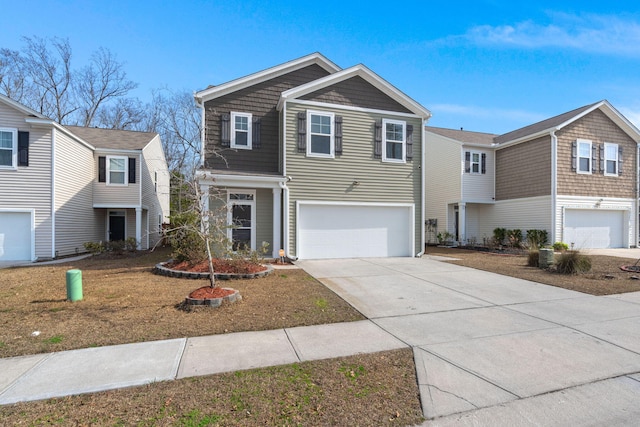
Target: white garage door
[
  {"x": 594, "y": 228},
  {"x": 348, "y": 231},
  {"x": 15, "y": 236}
]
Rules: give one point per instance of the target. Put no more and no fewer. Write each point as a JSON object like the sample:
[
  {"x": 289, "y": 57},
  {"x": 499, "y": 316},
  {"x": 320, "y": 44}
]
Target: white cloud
[{"x": 605, "y": 34}]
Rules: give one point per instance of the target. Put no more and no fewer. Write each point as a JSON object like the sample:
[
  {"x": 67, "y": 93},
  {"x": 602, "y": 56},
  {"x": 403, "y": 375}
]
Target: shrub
[
  {"x": 499, "y": 235},
  {"x": 94, "y": 247},
  {"x": 514, "y": 238},
  {"x": 533, "y": 257},
  {"x": 131, "y": 244},
  {"x": 537, "y": 238},
  {"x": 185, "y": 241},
  {"x": 573, "y": 262},
  {"x": 560, "y": 247}
]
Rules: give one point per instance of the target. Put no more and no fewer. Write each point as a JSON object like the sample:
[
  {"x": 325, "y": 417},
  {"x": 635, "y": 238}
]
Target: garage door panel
[
  {"x": 590, "y": 229},
  {"x": 346, "y": 231},
  {"x": 15, "y": 236}
]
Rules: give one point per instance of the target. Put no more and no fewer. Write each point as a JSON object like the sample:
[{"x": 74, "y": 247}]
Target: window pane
[
  {"x": 242, "y": 138},
  {"x": 5, "y": 158},
  {"x": 240, "y": 196},
  {"x": 321, "y": 124},
  {"x": 116, "y": 177},
  {"x": 6, "y": 140},
  {"x": 320, "y": 144},
  {"x": 395, "y": 132},
  {"x": 241, "y": 239},
  {"x": 475, "y": 168},
  {"x": 116, "y": 165},
  {"x": 241, "y": 215},
  {"x": 611, "y": 152},
  {"x": 584, "y": 150},
  {"x": 611, "y": 166},
  {"x": 394, "y": 150},
  {"x": 242, "y": 123},
  {"x": 584, "y": 164}
]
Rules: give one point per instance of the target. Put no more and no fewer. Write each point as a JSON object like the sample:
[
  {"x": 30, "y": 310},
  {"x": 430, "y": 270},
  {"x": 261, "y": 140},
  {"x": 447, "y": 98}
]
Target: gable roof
[
  {"x": 558, "y": 122},
  {"x": 113, "y": 139},
  {"x": 23, "y": 108},
  {"x": 268, "y": 74},
  {"x": 464, "y": 136},
  {"x": 366, "y": 74}
]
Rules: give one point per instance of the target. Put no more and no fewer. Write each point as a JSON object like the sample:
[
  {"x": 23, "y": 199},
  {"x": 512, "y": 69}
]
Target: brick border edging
[
  {"x": 215, "y": 302},
  {"x": 161, "y": 270}
]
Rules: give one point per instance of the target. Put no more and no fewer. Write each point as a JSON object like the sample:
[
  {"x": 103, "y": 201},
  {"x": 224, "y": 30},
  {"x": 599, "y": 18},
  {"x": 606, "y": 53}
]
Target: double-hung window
[
  {"x": 8, "y": 148},
  {"x": 320, "y": 134},
  {"x": 117, "y": 170},
  {"x": 475, "y": 162},
  {"x": 394, "y": 140},
  {"x": 241, "y": 130},
  {"x": 610, "y": 159},
  {"x": 584, "y": 156}
]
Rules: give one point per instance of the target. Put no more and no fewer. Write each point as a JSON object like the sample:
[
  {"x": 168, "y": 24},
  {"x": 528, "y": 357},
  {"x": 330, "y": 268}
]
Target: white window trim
[
  {"x": 14, "y": 149},
  {"x": 249, "y": 117},
  {"x": 471, "y": 162},
  {"x": 617, "y": 159},
  {"x": 126, "y": 171},
  {"x": 251, "y": 203},
  {"x": 332, "y": 141},
  {"x": 578, "y": 157},
  {"x": 384, "y": 140}
]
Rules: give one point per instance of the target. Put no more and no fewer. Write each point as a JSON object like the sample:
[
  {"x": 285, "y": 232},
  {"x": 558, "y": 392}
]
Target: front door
[
  {"x": 242, "y": 219},
  {"x": 116, "y": 226}
]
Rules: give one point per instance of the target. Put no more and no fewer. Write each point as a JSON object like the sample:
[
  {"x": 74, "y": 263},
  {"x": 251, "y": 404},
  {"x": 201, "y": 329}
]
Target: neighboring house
[
  {"x": 316, "y": 160},
  {"x": 62, "y": 186},
  {"x": 574, "y": 175}
]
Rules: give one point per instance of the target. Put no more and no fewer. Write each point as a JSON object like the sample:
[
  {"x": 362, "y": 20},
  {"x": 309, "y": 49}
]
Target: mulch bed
[{"x": 220, "y": 265}]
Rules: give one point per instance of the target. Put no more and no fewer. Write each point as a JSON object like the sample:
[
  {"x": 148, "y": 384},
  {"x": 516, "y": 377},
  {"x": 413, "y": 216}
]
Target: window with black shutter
[{"x": 23, "y": 148}]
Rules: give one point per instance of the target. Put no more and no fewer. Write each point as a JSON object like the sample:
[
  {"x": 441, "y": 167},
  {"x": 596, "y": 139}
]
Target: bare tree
[
  {"x": 13, "y": 78},
  {"x": 49, "y": 69},
  {"x": 124, "y": 113},
  {"x": 102, "y": 80}
]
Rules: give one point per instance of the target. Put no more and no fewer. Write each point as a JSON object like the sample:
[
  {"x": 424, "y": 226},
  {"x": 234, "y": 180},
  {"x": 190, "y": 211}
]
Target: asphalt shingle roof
[
  {"x": 113, "y": 138},
  {"x": 464, "y": 135}
]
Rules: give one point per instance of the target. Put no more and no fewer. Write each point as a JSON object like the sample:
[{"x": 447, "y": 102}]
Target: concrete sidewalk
[{"x": 90, "y": 370}]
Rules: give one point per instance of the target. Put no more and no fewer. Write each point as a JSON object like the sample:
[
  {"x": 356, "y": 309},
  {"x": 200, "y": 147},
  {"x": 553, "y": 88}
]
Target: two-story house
[
  {"x": 62, "y": 186},
  {"x": 316, "y": 160},
  {"x": 574, "y": 175}
]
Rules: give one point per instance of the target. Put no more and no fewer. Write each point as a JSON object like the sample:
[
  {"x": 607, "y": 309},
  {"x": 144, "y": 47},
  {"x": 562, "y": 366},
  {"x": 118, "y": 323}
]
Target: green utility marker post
[{"x": 74, "y": 285}]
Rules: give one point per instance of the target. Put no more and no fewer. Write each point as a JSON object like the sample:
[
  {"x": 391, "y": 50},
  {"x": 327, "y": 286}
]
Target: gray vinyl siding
[
  {"x": 155, "y": 198},
  {"x": 116, "y": 195},
  {"x": 264, "y": 218},
  {"x": 328, "y": 179},
  {"x": 260, "y": 100},
  {"x": 75, "y": 217},
  {"x": 356, "y": 92},
  {"x": 29, "y": 187}
]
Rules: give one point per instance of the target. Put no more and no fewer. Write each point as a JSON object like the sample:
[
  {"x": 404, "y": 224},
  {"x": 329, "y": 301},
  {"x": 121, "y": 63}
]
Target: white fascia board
[
  {"x": 23, "y": 108},
  {"x": 115, "y": 206},
  {"x": 324, "y": 105},
  {"x": 363, "y": 72},
  {"x": 526, "y": 138},
  {"x": 269, "y": 73},
  {"x": 242, "y": 181},
  {"x": 116, "y": 151},
  {"x": 620, "y": 120}
]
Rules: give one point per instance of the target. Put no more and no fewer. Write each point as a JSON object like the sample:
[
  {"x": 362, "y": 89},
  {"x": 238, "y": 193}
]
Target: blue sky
[{"x": 490, "y": 66}]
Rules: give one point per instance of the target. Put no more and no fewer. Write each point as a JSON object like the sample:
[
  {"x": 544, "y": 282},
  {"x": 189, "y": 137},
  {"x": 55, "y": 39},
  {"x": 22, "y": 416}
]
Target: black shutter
[
  {"x": 409, "y": 142},
  {"x": 594, "y": 159},
  {"x": 256, "y": 142},
  {"x": 602, "y": 162},
  {"x": 574, "y": 156},
  {"x": 377, "y": 148},
  {"x": 302, "y": 131},
  {"x": 484, "y": 163},
  {"x": 23, "y": 148},
  {"x": 619, "y": 160},
  {"x": 338, "y": 135},
  {"x": 225, "y": 130},
  {"x": 132, "y": 170},
  {"x": 102, "y": 169},
  {"x": 467, "y": 162}
]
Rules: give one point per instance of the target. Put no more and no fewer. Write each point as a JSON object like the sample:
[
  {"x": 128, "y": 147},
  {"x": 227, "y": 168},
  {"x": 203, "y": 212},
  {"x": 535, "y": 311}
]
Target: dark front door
[{"x": 116, "y": 227}]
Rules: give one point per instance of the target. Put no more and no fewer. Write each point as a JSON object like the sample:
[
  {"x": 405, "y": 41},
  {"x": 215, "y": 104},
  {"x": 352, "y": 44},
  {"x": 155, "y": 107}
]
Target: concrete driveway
[{"x": 495, "y": 350}]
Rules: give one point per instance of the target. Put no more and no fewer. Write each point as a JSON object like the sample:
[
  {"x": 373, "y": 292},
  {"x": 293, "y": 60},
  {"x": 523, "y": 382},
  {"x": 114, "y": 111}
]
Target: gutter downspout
[
  {"x": 285, "y": 220},
  {"x": 53, "y": 192},
  {"x": 200, "y": 105},
  {"x": 423, "y": 197},
  {"x": 554, "y": 183}
]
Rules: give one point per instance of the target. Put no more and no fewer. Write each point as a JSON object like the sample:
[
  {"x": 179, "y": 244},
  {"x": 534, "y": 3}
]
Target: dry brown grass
[{"x": 605, "y": 277}]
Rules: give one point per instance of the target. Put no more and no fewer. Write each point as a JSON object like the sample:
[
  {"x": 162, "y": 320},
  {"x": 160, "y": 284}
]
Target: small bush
[
  {"x": 560, "y": 247},
  {"x": 94, "y": 247},
  {"x": 533, "y": 258},
  {"x": 573, "y": 262},
  {"x": 499, "y": 235},
  {"x": 537, "y": 238},
  {"x": 514, "y": 238}
]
